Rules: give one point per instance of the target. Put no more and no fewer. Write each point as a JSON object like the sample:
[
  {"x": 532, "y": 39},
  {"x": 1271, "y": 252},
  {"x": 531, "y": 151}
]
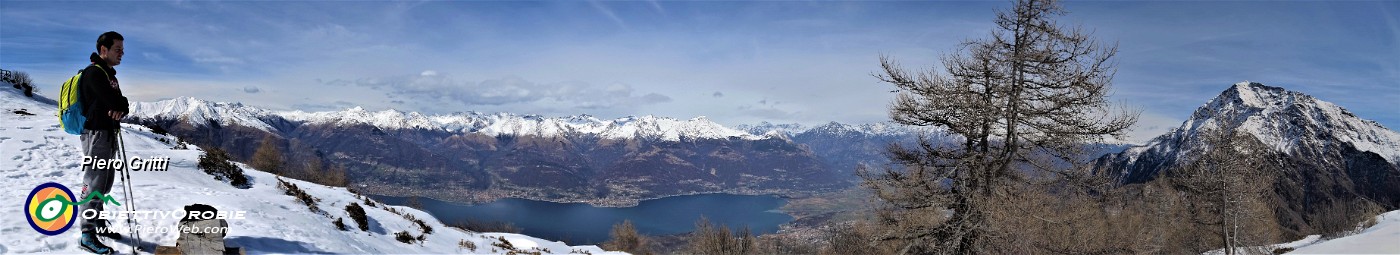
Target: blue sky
[{"x": 735, "y": 62}]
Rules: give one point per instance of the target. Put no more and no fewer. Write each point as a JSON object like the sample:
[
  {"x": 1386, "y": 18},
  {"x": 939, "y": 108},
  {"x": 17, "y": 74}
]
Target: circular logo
[{"x": 48, "y": 208}]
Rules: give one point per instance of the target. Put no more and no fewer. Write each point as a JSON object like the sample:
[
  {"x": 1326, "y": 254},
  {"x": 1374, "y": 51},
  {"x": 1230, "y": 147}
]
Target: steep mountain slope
[
  {"x": 36, "y": 151},
  {"x": 1331, "y": 160},
  {"x": 475, "y": 157}
]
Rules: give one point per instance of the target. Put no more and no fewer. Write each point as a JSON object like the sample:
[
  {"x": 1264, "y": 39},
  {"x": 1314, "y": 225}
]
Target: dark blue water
[{"x": 578, "y": 223}]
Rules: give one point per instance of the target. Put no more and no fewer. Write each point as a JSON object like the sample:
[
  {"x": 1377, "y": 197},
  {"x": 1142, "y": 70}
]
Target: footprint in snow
[
  {"x": 53, "y": 174},
  {"x": 20, "y": 175},
  {"x": 26, "y": 127},
  {"x": 27, "y": 141},
  {"x": 53, "y": 247}
]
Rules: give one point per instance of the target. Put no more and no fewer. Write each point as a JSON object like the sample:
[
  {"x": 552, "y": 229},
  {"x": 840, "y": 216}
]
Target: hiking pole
[
  {"x": 126, "y": 186},
  {"x": 121, "y": 152}
]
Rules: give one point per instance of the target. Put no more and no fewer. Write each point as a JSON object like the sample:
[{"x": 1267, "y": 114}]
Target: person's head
[{"x": 109, "y": 47}]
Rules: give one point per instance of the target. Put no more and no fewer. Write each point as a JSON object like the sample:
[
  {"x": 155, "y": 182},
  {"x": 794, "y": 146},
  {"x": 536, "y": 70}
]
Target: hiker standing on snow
[{"x": 103, "y": 106}]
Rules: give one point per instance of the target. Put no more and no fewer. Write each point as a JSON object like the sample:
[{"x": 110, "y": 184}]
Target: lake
[{"x": 578, "y": 223}]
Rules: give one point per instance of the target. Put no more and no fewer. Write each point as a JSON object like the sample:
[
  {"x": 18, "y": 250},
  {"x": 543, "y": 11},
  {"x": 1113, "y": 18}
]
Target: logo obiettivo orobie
[{"x": 50, "y": 207}]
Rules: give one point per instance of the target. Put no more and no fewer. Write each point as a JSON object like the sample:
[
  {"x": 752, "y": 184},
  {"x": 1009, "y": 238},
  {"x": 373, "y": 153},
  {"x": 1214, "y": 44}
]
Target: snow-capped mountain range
[
  {"x": 199, "y": 111},
  {"x": 648, "y": 126}
]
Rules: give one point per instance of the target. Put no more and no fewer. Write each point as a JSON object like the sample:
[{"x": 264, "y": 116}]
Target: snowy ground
[
  {"x": 1383, "y": 238},
  {"x": 33, "y": 150}
]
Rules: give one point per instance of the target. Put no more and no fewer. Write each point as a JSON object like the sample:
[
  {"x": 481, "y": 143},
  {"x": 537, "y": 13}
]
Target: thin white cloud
[
  {"x": 153, "y": 56},
  {"x": 602, "y": 9},
  {"x": 430, "y": 86}
]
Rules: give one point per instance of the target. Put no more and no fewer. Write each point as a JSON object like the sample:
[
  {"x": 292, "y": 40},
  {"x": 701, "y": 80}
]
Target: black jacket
[{"x": 99, "y": 94}]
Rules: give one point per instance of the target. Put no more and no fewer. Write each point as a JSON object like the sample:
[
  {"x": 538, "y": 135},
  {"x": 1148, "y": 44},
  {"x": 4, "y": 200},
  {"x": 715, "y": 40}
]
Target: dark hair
[{"x": 107, "y": 39}]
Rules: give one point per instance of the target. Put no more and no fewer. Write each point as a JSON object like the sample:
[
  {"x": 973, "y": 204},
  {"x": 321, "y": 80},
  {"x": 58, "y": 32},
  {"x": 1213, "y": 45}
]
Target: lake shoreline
[
  {"x": 585, "y": 223},
  {"x": 613, "y": 202}
]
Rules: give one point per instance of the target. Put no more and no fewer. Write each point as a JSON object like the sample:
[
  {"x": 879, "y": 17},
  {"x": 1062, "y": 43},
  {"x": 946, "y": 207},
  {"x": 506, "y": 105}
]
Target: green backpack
[{"x": 70, "y": 105}]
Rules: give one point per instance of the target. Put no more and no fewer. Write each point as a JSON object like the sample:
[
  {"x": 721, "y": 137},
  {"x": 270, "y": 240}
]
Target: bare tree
[
  {"x": 624, "y": 237},
  {"x": 1227, "y": 185},
  {"x": 1028, "y": 97},
  {"x": 22, "y": 81},
  {"x": 22, "y": 78},
  {"x": 711, "y": 239}
]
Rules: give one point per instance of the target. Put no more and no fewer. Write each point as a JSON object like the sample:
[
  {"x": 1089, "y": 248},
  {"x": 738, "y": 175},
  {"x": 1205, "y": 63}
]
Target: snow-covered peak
[
  {"x": 199, "y": 112},
  {"x": 1284, "y": 119},
  {"x": 389, "y": 119},
  {"x": 670, "y": 129},
  {"x": 1248, "y": 93}
]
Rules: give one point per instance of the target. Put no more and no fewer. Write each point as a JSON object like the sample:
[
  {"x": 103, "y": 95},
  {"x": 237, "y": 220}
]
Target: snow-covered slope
[
  {"x": 1382, "y": 238},
  {"x": 649, "y": 127},
  {"x": 36, "y": 151}
]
